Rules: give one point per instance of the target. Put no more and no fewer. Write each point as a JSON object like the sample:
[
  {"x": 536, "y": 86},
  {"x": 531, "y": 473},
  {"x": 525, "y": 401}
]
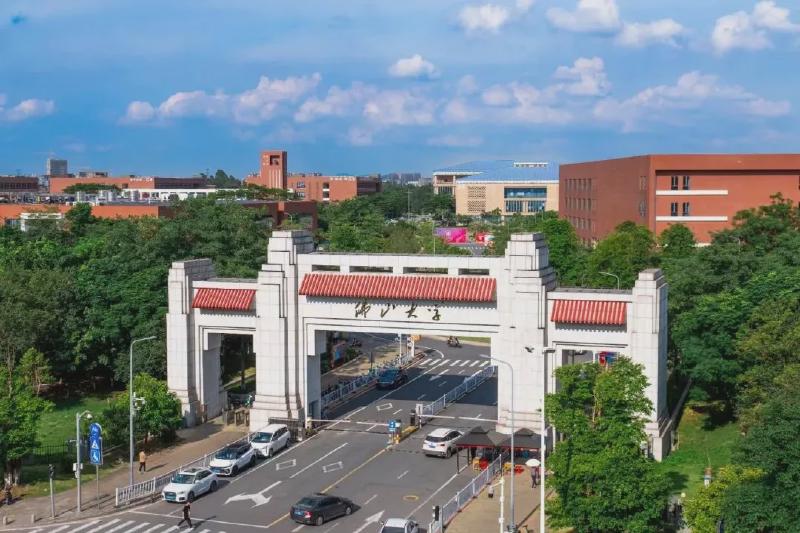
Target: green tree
[
  {"x": 677, "y": 241},
  {"x": 35, "y": 369},
  {"x": 20, "y": 410},
  {"x": 604, "y": 482},
  {"x": 222, "y": 180},
  {"x": 625, "y": 252},
  {"x": 158, "y": 418},
  {"x": 91, "y": 188},
  {"x": 703, "y": 511}
]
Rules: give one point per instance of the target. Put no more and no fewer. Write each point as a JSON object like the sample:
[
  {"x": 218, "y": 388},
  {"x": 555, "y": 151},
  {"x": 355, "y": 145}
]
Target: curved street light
[
  {"x": 78, "y": 417},
  {"x": 611, "y": 275},
  {"x": 130, "y": 397}
]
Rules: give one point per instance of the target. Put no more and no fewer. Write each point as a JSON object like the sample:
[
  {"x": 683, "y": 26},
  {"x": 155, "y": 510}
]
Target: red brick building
[
  {"x": 702, "y": 191},
  {"x": 58, "y": 184},
  {"x": 272, "y": 172},
  {"x": 332, "y": 188},
  {"x": 18, "y": 185}
]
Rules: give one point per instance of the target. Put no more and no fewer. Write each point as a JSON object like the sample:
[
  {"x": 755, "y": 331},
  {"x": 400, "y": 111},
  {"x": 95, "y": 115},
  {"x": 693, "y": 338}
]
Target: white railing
[
  {"x": 450, "y": 509},
  {"x": 346, "y": 389},
  {"x": 470, "y": 384}
]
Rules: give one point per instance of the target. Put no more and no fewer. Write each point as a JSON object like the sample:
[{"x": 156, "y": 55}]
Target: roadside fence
[
  {"x": 469, "y": 385},
  {"x": 455, "y": 504}
]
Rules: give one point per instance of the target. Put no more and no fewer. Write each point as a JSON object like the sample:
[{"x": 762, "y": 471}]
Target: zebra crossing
[
  {"x": 118, "y": 525},
  {"x": 454, "y": 363}
]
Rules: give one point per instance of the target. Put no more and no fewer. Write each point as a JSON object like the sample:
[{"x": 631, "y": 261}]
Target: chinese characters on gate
[{"x": 411, "y": 310}]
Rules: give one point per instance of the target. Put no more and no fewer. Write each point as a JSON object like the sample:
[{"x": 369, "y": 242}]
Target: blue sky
[{"x": 173, "y": 88}]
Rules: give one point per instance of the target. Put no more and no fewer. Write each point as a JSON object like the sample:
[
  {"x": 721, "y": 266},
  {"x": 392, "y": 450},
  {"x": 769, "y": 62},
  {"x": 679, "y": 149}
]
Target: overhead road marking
[
  {"x": 401, "y": 476},
  {"x": 384, "y": 406},
  {"x": 209, "y": 520},
  {"x": 283, "y": 465}
]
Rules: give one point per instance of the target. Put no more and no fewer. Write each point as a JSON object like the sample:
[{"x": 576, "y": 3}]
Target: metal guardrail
[
  {"x": 346, "y": 389},
  {"x": 455, "y": 504},
  {"x": 470, "y": 384}
]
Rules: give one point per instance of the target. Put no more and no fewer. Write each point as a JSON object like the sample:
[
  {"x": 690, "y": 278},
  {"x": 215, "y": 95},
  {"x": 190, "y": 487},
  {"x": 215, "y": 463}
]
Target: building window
[
  {"x": 685, "y": 210},
  {"x": 513, "y": 206},
  {"x": 642, "y": 208},
  {"x": 535, "y": 206},
  {"x": 686, "y": 183},
  {"x": 526, "y": 192},
  {"x": 476, "y": 192},
  {"x": 300, "y": 185},
  {"x": 674, "y": 184},
  {"x": 673, "y": 209},
  {"x": 642, "y": 183}
]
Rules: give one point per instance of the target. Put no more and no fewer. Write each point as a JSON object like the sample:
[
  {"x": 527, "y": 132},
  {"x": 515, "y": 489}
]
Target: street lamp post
[
  {"x": 78, "y": 417},
  {"x": 611, "y": 275},
  {"x": 513, "y": 430},
  {"x": 130, "y": 398},
  {"x": 543, "y": 441}
]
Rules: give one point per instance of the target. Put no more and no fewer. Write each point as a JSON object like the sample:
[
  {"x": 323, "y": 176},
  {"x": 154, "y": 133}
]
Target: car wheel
[
  {"x": 269, "y": 453},
  {"x": 235, "y": 470},
  {"x": 448, "y": 453},
  {"x": 319, "y": 521},
  {"x": 252, "y": 460},
  {"x": 213, "y": 486},
  {"x": 190, "y": 497},
  {"x": 348, "y": 510}
]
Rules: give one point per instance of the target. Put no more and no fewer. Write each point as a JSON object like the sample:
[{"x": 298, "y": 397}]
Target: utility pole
[{"x": 51, "y": 471}]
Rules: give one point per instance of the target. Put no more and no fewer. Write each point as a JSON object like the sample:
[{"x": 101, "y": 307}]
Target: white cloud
[
  {"x": 456, "y": 141},
  {"x": 588, "y": 16},
  {"x": 749, "y": 31},
  {"x": 488, "y": 18},
  {"x": 693, "y": 90},
  {"x": 338, "y": 102},
  {"x": 641, "y": 34},
  {"x": 467, "y": 85},
  {"x": 496, "y": 95},
  {"x": 401, "y": 108},
  {"x": 458, "y": 111},
  {"x": 26, "y": 109},
  {"x": 525, "y": 5},
  {"x": 587, "y": 75},
  {"x": 253, "y": 106},
  {"x": 413, "y": 67}
]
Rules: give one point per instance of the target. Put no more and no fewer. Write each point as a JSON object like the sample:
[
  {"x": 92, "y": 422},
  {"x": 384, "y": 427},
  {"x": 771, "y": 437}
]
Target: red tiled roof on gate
[
  {"x": 589, "y": 312},
  {"x": 224, "y": 299},
  {"x": 373, "y": 286}
]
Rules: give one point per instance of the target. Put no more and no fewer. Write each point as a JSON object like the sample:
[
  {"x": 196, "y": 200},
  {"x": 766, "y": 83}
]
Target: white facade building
[{"x": 300, "y": 294}]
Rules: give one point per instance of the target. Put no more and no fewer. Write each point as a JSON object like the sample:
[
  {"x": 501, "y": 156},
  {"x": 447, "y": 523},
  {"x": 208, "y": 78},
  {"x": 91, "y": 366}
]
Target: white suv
[
  {"x": 187, "y": 484},
  {"x": 399, "y": 525},
  {"x": 441, "y": 442},
  {"x": 270, "y": 440},
  {"x": 233, "y": 458}
]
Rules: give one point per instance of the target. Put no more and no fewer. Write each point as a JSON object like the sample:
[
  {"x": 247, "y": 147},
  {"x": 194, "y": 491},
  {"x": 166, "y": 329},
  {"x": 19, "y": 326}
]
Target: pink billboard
[{"x": 452, "y": 235}]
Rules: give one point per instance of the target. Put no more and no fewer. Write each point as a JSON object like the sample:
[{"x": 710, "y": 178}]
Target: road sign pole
[
  {"x": 97, "y": 481},
  {"x": 51, "y": 472},
  {"x": 78, "y": 456}
]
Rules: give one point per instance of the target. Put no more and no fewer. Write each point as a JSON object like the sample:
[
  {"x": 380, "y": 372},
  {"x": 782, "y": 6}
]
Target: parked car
[
  {"x": 229, "y": 460},
  {"x": 272, "y": 439},
  {"x": 319, "y": 508},
  {"x": 188, "y": 484},
  {"x": 399, "y": 525},
  {"x": 391, "y": 378},
  {"x": 441, "y": 442}
]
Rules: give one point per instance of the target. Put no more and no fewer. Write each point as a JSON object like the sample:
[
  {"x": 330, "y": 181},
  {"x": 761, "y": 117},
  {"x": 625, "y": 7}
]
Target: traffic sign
[
  {"x": 95, "y": 444},
  {"x": 392, "y": 425}
]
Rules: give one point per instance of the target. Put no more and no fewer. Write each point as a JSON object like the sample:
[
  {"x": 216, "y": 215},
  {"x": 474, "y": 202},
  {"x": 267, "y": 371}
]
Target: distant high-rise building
[{"x": 56, "y": 167}]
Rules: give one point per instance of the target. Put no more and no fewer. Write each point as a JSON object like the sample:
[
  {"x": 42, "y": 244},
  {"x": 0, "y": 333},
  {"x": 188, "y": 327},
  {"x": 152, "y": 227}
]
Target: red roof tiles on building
[
  {"x": 436, "y": 288},
  {"x": 224, "y": 299},
  {"x": 589, "y": 312}
]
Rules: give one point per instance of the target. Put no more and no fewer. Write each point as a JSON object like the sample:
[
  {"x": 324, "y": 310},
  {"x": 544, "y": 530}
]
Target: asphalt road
[{"x": 349, "y": 459}]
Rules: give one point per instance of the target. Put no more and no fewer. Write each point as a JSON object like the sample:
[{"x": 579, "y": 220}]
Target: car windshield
[
  {"x": 434, "y": 438},
  {"x": 393, "y": 529},
  {"x": 183, "y": 479},
  {"x": 308, "y": 502},
  {"x": 226, "y": 454},
  {"x": 262, "y": 437},
  {"x": 388, "y": 375}
]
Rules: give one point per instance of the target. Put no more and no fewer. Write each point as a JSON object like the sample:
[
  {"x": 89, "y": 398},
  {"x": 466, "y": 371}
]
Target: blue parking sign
[
  {"x": 95, "y": 444},
  {"x": 392, "y": 426}
]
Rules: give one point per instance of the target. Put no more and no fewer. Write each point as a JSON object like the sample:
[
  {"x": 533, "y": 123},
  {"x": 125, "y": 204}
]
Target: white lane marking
[
  {"x": 62, "y": 528},
  {"x": 370, "y": 499},
  {"x": 275, "y": 458},
  {"x": 484, "y": 363},
  {"x": 283, "y": 465},
  {"x": 318, "y": 460},
  {"x": 401, "y": 476},
  {"x": 425, "y": 362},
  {"x": 103, "y": 526},
  {"x": 455, "y": 362},
  {"x": 333, "y": 526},
  {"x": 90, "y": 524},
  {"x": 298, "y": 528},
  {"x": 373, "y": 426},
  {"x": 157, "y": 526},
  {"x": 203, "y": 521},
  {"x": 173, "y": 528},
  {"x": 384, "y": 406},
  {"x": 420, "y": 506},
  {"x": 205, "y": 530},
  {"x": 421, "y": 397},
  {"x": 465, "y": 363},
  {"x": 397, "y": 411},
  {"x": 333, "y": 467},
  {"x": 475, "y": 362},
  {"x": 461, "y": 372},
  {"x": 130, "y": 530},
  {"x": 442, "y": 362},
  {"x": 442, "y": 383}
]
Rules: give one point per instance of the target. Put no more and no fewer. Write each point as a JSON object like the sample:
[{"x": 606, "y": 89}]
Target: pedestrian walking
[
  {"x": 187, "y": 507},
  {"x": 142, "y": 461},
  {"x": 534, "y": 477}
]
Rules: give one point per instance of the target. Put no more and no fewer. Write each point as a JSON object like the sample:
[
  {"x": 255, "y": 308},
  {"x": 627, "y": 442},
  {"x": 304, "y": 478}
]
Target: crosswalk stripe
[
  {"x": 121, "y": 526},
  {"x": 140, "y": 526},
  {"x": 62, "y": 528},
  {"x": 204, "y": 531},
  {"x": 465, "y": 363},
  {"x": 454, "y": 362},
  {"x": 476, "y": 362},
  {"x": 441, "y": 362},
  {"x": 426, "y": 362},
  {"x": 102, "y": 527},
  {"x": 157, "y": 526},
  {"x": 485, "y": 363},
  {"x": 84, "y": 526}
]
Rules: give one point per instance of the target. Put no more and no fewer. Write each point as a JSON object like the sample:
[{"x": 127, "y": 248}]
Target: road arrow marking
[
  {"x": 384, "y": 407},
  {"x": 369, "y": 521},
  {"x": 258, "y": 498},
  {"x": 291, "y": 463}
]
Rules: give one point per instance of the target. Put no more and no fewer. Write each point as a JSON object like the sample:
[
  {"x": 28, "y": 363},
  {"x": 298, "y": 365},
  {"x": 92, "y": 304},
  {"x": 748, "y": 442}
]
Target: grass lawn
[
  {"x": 58, "y": 425},
  {"x": 36, "y": 483},
  {"x": 700, "y": 444}
]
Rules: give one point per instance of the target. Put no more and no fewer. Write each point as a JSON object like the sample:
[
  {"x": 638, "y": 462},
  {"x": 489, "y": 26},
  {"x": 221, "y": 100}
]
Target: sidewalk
[
  {"x": 481, "y": 515},
  {"x": 192, "y": 443},
  {"x": 360, "y": 365}
]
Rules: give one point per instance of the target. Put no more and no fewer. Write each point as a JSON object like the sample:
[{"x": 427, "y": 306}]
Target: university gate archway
[{"x": 301, "y": 293}]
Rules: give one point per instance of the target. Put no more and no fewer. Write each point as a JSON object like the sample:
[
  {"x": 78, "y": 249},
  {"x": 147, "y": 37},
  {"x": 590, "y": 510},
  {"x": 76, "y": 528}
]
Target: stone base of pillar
[
  {"x": 659, "y": 435},
  {"x": 266, "y": 407},
  {"x": 191, "y": 412}
]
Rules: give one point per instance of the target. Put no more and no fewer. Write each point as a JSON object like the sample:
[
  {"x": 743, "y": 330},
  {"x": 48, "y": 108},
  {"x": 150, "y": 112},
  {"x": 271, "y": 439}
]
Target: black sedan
[
  {"x": 317, "y": 509},
  {"x": 391, "y": 378}
]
